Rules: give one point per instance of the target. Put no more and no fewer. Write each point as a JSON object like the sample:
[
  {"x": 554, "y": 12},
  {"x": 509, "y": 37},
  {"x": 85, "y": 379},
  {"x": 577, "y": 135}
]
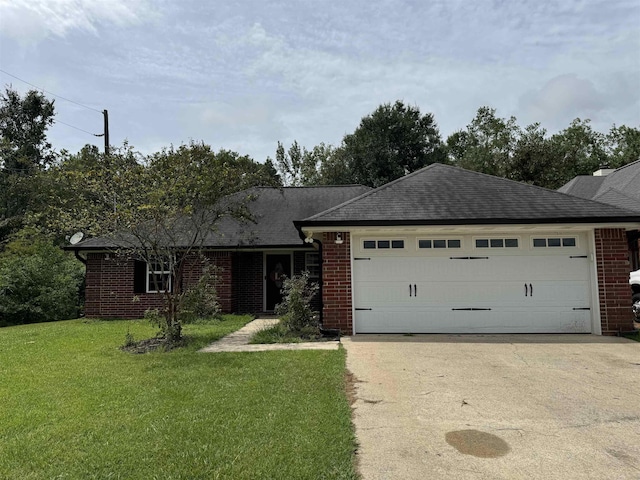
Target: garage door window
[
  {"x": 497, "y": 243},
  {"x": 554, "y": 242},
  {"x": 439, "y": 243},
  {"x": 382, "y": 244}
]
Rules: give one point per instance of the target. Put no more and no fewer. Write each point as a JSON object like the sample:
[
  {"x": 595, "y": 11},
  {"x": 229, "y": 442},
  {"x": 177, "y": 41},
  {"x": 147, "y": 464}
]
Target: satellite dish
[{"x": 76, "y": 237}]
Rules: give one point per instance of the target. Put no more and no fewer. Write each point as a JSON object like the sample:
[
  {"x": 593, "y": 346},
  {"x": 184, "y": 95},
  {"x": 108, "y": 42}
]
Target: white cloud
[{"x": 31, "y": 21}]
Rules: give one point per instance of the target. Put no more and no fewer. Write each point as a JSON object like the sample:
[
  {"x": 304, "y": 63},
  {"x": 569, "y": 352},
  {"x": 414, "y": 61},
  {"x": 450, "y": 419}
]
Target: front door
[{"x": 278, "y": 266}]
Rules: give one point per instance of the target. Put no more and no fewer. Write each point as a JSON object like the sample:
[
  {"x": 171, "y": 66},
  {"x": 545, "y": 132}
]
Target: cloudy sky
[{"x": 244, "y": 74}]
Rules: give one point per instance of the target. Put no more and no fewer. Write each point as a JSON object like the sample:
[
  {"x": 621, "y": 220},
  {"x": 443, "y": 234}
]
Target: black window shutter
[{"x": 140, "y": 277}]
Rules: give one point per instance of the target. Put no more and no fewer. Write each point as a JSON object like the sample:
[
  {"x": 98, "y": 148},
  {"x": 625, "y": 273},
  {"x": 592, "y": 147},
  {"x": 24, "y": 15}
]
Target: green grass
[
  {"x": 275, "y": 334},
  {"x": 634, "y": 336},
  {"x": 74, "y": 406}
]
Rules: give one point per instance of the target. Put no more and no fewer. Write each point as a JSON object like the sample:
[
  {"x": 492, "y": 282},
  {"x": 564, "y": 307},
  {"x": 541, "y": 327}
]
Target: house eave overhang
[
  {"x": 629, "y": 223},
  {"x": 110, "y": 249}
]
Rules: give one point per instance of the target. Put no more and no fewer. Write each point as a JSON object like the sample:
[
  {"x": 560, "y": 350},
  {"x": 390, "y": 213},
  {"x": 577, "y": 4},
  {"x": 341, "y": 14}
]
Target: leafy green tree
[
  {"x": 298, "y": 166},
  {"x": 38, "y": 281},
  {"x": 24, "y": 151},
  {"x": 578, "y": 150},
  {"x": 160, "y": 209},
  {"x": 388, "y": 143},
  {"x": 486, "y": 145},
  {"x": 622, "y": 145},
  {"x": 532, "y": 160}
]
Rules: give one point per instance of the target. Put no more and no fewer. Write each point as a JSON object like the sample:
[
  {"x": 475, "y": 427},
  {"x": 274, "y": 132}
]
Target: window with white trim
[
  {"x": 497, "y": 243},
  {"x": 439, "y": 243},
  {"x": 312, "y": 264},
  {"x": 158, "y": 276},
  {"x": 385, "y": 244},
  {"x": 554, "y": 242}
]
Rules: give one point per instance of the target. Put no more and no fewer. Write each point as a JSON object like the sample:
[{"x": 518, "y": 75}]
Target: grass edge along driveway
[{"x": 75, "y": 406}]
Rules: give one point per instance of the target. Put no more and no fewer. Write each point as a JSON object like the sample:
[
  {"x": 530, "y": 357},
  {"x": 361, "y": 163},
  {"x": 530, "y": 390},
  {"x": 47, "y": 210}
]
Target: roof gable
[
  {"x": 442, "y": 194},
  {"x": 620, "y": 188}
]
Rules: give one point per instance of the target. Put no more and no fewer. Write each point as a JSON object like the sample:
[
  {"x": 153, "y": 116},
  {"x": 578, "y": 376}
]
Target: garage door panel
[
  {"x": 497, "y": 320},
  {"x": 529, "y": 292}
]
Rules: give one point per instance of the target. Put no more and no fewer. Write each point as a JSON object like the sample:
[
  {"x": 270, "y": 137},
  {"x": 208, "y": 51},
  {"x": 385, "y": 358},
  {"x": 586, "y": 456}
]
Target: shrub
[
  {"x": 295, "y": 311},
  {"x": 201, "y": 299},
  {"x": 38, "y": 282}
]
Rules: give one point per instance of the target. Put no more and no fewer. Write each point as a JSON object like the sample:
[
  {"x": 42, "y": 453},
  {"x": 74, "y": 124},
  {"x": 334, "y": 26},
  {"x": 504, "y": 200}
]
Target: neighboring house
[
  {"x": 440, "y": 250},
  {"x": 619, "y": 187}
]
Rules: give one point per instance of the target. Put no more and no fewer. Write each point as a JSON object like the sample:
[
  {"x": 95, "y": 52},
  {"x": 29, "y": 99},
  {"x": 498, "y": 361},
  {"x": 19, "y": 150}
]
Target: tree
[
  {"x": 532, "y": 160},
  {"x": 160, "y": 209},
  {"x": 622, "y": 145},
  {"x": 24, "y": 151},
  {"x": 298, "y": 166},
  {"x": 486, "y": 145},
  {"x": 393, "y": 140},
  {"x": 38, "y": 281},
  {"x": 578, "y": 150}
]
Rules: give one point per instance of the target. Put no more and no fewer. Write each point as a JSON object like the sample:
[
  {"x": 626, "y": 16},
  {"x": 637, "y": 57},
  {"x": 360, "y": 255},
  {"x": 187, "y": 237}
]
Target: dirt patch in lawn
[{"x": 153, "y": 344}]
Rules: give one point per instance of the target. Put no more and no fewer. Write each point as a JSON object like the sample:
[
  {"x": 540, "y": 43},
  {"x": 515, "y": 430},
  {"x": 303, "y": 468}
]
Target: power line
[
  {"x": 77, "y": 128},
  {"x": 51, "y": 93}
]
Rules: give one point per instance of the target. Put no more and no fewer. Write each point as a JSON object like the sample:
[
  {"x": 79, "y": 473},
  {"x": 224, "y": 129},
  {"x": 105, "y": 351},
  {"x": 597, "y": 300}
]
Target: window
[
  {"x": 312, "y": 264},
  {"x": 496, "y": 243},
  {"x": 554, "y": 242},
  {"x": 382, "y": 244},
  {"x": 158, "y": 276},
  {"x": 439, "y": 243}
]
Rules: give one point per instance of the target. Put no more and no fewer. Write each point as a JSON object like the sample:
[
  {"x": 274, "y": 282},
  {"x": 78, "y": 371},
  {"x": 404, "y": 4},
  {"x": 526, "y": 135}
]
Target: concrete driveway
[{"x": 496, "y": 406}]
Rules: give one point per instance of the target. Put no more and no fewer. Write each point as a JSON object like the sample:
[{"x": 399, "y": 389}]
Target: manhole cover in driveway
[{"x": 477, "y": 443}]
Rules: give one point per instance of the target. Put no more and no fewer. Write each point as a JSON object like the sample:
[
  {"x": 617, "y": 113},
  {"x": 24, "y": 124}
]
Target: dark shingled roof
[
  {"x": 583, "y": 186},
  {"x": 620, "y": 188},
  {"x": 273, "y": 212},
  {"x": 445, "y": 195}
]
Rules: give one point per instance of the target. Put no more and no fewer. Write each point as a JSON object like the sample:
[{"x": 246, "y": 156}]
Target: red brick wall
[
  {"x": 109, "y": 285},
  {"x": 612, "y": 257},
  {"x": 336, "y": 283},
  {"x": 249, "y": 282}
]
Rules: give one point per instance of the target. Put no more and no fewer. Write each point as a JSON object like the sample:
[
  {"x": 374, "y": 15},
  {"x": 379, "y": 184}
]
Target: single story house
[
  {"x": 441, "y": 250},
  {"x": 619, "y": 187}
]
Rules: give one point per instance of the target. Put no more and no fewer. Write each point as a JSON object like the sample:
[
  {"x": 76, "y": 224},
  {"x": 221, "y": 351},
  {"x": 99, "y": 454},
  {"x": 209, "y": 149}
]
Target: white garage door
[{"x": 470, "y": 287}]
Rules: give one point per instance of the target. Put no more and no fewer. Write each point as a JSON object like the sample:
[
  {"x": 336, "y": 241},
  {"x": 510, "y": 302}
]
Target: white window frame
[
  {"x": 504, "y": 242},
  {"x": 547, "y": 237},
  {"x": 308, "y": 264},
  {"x": 446, "y": 247},
  {"x": 390, "y": 240},
  {"x": 158, "y": 272}
]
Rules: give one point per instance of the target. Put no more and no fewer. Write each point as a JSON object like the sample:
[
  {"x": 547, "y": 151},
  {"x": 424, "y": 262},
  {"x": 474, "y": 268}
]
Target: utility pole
[{"x": 106, "y": 132}]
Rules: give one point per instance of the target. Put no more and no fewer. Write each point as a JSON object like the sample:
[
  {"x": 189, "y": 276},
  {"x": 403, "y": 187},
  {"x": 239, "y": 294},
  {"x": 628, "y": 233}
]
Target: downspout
[
  {"x": 321, "y": 282},
  {"x": 76, "y": 253}
]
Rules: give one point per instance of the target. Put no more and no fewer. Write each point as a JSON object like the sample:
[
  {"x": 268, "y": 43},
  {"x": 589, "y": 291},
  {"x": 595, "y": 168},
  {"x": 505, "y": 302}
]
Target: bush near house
[{"x": 38, "y": 282}]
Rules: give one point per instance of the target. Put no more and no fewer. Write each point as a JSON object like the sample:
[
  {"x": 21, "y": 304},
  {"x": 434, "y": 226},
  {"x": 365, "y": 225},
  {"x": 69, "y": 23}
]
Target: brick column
[
  {"x": 612, "y": 257},
  {"x": 336, "y": 283}
]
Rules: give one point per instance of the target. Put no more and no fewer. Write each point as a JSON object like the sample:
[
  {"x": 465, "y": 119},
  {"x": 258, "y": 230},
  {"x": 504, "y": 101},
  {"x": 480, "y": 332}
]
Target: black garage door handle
[{"x": 473, "y": 309}]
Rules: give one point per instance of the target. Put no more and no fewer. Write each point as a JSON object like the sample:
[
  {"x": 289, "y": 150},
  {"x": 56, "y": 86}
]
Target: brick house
[{"x": 442, "y": 250}]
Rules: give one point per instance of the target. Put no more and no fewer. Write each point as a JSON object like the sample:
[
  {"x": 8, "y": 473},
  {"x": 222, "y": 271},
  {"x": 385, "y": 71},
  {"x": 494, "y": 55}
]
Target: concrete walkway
[{"x": 238, "y": 341}]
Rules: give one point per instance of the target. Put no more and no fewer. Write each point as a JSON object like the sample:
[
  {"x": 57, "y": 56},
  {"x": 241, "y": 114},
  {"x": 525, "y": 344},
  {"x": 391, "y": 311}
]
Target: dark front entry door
[{"x": 278, "y": 266}]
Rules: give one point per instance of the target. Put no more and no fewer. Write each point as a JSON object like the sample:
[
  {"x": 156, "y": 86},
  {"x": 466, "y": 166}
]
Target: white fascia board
[{"x": 538, "y": 227}]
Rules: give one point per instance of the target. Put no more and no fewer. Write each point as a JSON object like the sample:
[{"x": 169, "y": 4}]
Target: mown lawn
[{"x": 73, "y": 406}]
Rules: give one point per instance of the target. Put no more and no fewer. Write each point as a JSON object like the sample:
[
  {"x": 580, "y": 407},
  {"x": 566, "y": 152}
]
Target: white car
[{"x": 634, "y": 281}]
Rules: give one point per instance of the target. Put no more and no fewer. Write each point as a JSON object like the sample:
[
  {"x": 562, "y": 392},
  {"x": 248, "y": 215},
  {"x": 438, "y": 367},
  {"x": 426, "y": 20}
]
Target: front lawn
[{"x": 74, "y": 406}]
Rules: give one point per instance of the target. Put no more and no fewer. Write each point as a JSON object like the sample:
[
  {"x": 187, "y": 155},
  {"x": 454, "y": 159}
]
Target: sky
[{"x": 243, "y": 75}]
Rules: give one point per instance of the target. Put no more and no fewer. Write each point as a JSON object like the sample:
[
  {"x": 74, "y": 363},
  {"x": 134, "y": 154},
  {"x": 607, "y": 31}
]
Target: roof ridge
[
  {"x": 619, "y": 192},
  {"x": 374, "y": 190}
]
